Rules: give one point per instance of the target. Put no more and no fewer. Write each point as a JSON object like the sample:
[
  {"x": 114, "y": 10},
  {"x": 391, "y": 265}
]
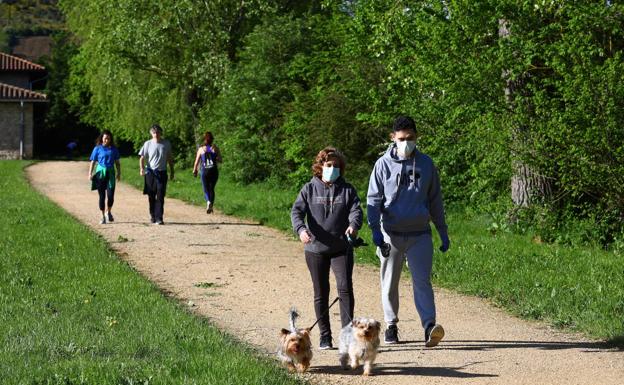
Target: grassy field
[
  {"x": 578, "y": 289},
  {"x": 72, "y": 313}
]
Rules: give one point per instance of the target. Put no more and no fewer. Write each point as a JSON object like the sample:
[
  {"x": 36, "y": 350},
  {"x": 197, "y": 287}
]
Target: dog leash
[{"x": 323, "y": 315}]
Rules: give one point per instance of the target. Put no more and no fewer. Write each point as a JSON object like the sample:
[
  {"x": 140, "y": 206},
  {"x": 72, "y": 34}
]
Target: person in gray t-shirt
[{"x": 157, "y": 153}]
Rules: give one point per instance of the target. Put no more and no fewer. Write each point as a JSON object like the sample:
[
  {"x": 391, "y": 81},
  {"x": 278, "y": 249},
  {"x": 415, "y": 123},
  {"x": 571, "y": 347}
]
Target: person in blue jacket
[
  {"x": 106, "y": 156},
  {"x": 404, "y": 195},
  {"x": 325, "y": 214}
]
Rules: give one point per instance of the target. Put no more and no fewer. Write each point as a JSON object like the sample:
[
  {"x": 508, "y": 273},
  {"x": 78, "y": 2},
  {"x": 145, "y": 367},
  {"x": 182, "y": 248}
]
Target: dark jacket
[{"x": 326, "y": 211}]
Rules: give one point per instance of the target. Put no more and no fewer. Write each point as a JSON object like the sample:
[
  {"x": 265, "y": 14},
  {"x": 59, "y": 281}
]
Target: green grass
[
  {"x": 574, "y": 288},
  {"x": 71, "y": 312},
  {"x": 569, "y": 287}
]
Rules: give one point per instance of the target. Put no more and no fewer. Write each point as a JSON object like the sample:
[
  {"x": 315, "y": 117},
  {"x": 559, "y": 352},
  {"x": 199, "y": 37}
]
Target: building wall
[
  {"x": 10, "y": 130},
  {"x": 18, "y": 79}
]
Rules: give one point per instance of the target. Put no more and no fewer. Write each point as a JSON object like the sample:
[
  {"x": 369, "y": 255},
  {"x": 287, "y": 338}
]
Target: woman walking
[
  {"x": 106, "y": 156},
  {"x": 208, "y": 155},
  {"x": 325, "y": 215}
]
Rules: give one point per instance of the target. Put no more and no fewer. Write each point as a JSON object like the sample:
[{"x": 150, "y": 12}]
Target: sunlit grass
[{"x": 71, "y": 312}]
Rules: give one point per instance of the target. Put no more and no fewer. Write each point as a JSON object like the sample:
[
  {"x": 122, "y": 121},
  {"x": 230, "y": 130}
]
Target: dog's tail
[{"x": 293, "y": 316}]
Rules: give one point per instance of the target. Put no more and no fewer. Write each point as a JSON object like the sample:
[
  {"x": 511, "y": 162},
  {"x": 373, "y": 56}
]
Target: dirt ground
[{"x": 244, "y": 278}]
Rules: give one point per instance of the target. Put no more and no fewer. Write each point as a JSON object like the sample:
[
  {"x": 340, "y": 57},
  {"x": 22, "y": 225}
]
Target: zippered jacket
[
  {"x": 326, "y": 210},
  {"x": 405, "y": 194}
]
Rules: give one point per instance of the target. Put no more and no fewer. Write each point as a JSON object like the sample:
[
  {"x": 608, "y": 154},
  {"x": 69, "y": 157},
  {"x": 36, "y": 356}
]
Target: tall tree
[{"x": 528, "y": 185}]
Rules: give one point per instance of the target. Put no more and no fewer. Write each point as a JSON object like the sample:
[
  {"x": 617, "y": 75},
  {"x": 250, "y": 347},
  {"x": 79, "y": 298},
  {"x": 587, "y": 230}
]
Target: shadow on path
[
  {"x": 404, "y": 369},
  {"x": 588, "y": 347},
  {"x": 147, "y": 223}
]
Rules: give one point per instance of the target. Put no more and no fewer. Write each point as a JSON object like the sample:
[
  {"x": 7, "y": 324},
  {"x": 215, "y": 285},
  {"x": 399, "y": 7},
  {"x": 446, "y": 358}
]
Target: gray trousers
[{"x": 418, "y": 249}]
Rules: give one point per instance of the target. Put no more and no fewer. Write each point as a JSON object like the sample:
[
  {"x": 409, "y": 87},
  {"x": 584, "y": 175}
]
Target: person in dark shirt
[{"x": 326, "y": 212}]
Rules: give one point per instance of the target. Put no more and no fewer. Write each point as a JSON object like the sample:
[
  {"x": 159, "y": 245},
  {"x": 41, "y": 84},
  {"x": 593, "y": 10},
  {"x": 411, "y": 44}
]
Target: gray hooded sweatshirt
[
  {"x": 329, "y": 210},
  {"x": 404, "y": 194}
]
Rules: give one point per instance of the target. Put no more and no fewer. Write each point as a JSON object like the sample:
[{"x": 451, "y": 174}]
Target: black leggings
[
  {"x": 342, "y": 265},
  {"x": 103, "y": 191},
  {"x": 209, "y": 177}
]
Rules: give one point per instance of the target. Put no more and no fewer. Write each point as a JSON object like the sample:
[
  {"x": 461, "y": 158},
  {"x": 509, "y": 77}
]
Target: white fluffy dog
[{"x": 359, "y": 341}]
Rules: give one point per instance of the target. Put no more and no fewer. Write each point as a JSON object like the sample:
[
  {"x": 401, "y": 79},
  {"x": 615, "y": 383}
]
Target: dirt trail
[{"x": 244, "y": 277}]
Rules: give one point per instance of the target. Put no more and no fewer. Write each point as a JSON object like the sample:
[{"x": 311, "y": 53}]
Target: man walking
[
  {"x": 157, "y": 152},
  {"x": 404, "y": 195}
]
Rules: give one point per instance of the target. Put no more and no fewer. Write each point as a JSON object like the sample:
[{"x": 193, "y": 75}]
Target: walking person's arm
[
  {"x": 142, "y": 165},
  {"x": 118, "y": 166},
  {"x": 171, "y": 171},
  {"x": 374, "y": 202},
  {"x": 436, "y": 205},
  {"x": 297, "y": 217},
  {"x": 355, "y": 215},
  {"x": 196, "y": 164},
  {"x": 217, "y": 152},
  {"x": 91, "y": 165},
  {"x": 93, "y": 158}
]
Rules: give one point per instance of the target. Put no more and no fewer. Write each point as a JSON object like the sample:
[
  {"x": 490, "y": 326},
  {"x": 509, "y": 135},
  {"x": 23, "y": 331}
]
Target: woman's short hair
[{"x": 328, "y": 153}]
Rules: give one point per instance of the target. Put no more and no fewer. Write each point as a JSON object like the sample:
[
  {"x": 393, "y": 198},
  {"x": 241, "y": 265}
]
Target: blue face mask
[{"x": 330, "y": 174}]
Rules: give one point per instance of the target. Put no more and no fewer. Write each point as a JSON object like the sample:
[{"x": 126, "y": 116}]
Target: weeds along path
[{"x": 244, "y": 278}]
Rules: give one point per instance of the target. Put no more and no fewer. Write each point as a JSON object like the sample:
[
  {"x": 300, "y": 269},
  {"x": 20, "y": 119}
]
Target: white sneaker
[
  {"x": 433, "y": 335},
  {"x": 209, "y": 208},
  {"x": 103, "y": 221}
]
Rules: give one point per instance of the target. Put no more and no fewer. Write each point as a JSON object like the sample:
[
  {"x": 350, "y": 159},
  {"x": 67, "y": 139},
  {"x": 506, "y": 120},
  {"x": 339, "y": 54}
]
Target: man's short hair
[
  {"x": 403, "y": 123},
  {"x": 156, "y": 128}
]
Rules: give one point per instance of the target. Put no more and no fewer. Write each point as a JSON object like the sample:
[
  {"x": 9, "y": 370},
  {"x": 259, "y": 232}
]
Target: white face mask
[
  {"x": 330, "y": 174},
  {"x": 405, "y": 148}
]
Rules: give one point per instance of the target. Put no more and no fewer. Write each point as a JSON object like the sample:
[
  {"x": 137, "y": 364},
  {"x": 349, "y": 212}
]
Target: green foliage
[
  {"x": 4, "y": 42},
  {"x": 276, "y": 82},
  {"x": 71, "y": 312},
  {"x": 30, "y": 17},
  {"x": 245, "y": 116},
  {"x": 153, "y": 61},
  {"x": 444, "y": 64}
]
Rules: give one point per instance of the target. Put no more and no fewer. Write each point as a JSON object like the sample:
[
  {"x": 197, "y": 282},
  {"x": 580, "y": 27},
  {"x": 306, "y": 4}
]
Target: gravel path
[{"x": 244, "y": 278}]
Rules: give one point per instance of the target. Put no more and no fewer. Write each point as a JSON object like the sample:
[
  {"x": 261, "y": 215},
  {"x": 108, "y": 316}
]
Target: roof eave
[{"x": 24, "y": 100}]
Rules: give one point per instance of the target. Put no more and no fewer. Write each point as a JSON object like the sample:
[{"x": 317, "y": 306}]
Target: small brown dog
[
  {"x": 295, "y": 350},
  {"x": 359, "y": 341}
]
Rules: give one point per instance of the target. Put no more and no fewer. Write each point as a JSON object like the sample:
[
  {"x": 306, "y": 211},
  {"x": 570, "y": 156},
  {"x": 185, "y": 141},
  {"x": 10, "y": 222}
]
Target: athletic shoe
[
  {"x": 326, "y": 343},
  {"x": 391, "y": 336},
  {"x": 209, "y": 209},
  {"x": 103, "y": 221},
  {"x": 159, "y": 222},
  {"x": 110, "y": 217},
  {"x": 153, "y": 220},
  {"x": 433, "y": 335}
]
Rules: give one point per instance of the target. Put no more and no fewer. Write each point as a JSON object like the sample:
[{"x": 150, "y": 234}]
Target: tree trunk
[{"x": 527, "y": 185}]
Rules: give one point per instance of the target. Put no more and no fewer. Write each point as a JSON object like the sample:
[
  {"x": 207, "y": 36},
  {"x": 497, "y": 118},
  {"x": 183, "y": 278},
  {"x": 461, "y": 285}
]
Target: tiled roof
[
  {"x": 14, "y": 63},
  {"x": 12, "y": 93}
]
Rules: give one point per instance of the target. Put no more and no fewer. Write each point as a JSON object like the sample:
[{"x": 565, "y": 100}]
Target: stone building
[{"x": 17, "y": 100}]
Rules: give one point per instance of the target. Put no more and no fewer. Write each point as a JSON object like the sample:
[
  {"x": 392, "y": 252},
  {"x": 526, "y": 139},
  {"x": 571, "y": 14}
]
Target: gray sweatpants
[{"x": 418, "y": 249}]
